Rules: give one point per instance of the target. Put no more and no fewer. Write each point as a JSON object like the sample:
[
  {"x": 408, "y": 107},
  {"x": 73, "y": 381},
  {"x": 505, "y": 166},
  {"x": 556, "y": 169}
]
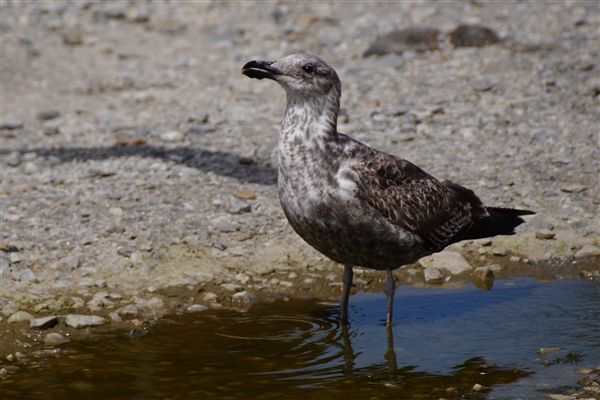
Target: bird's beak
[{"x": 259, "y": 69}]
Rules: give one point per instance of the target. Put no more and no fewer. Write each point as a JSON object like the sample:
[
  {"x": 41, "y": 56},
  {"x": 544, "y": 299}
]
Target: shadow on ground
[{"x": 222, "y": 163}]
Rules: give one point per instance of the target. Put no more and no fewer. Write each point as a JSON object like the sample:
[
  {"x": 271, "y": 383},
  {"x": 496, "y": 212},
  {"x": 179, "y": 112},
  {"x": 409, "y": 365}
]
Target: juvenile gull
[{"x": 357, "y": 205}]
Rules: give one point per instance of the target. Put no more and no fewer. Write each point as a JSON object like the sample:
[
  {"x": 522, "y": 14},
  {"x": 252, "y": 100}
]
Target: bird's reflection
[{"x": 415, "y": 382}]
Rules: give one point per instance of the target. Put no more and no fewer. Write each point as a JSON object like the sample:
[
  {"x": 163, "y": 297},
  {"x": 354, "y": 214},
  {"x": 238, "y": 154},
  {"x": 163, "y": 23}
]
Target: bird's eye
[{"x": 309, "y": 69}]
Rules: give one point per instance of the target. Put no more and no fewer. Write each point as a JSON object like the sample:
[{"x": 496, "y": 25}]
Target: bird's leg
[
  {"x": 389, "y": 289},
  {"x": 347, "y": 279}
]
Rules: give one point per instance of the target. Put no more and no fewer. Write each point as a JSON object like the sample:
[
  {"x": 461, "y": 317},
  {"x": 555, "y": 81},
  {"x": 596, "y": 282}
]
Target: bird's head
[{"x": 301, "y": 75}]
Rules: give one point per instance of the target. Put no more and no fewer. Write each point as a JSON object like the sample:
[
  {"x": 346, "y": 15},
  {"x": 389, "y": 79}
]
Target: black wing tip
[{"x": 510, "y": 211}]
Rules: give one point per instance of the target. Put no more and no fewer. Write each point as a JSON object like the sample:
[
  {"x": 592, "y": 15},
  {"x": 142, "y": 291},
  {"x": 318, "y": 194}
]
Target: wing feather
[{"x": 438, "y": 212}]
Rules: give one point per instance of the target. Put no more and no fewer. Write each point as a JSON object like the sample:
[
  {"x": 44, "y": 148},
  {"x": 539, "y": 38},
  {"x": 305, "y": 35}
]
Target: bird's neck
[{"x": 310, "y": 120}]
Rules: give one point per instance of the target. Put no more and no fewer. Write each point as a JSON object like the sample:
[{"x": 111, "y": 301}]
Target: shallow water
[{"x": 444, "y": 341}]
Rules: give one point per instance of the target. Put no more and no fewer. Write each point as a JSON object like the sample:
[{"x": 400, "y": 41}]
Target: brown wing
[{"x": 439, "y": 213}]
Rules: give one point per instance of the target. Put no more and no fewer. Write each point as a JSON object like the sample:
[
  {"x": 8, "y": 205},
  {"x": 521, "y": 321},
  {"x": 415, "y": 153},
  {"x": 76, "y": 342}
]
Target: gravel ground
[{"x": 139, "y": 165}]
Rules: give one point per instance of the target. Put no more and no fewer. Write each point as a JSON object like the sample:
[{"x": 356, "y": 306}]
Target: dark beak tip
[{"x": 258, "y": 69}]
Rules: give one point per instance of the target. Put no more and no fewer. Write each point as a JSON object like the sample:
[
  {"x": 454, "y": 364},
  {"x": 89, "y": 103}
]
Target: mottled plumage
[{"x": 357, "y": 205}]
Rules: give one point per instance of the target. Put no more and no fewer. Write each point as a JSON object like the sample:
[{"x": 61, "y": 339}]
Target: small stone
[
  {"x": 484, "y": 242},
  {"x": 43, "y": 323},
  {"x": 245, "y": 194},
  {"x": 477, "y": 387},
  {"x": 20, "y": 316},
  {"x": 125, "y": 251},
  {"x": 116, "y": 211},
  {"x": 172, "y": 136},
  {"x": 473, "y": 36},
  {"x": 100, "y": 283},
  {"x": 47, "y": 113},
  {"x": 51, "y": 130},
  {"x": 545, "y": 234},
  {"x": 265, "y": 270},
  {"x": 483, "y": 85},
  {"x": 583, "y": 371},
  {"x": 292, "y": 275},
  {"x": 202, "y": 129},
  {"x": 82, "y": 321},
  {"x": 13, "y": 159},
  {"x": 232, "y": 287},
  {"x": 548, "y": 350},
  {"x": 515, "y": 259},
  {"x": 560, "y": 397},
  {"x": 499, "y": 251},
  {"x": 10, "y": 125},
  {"x": 68, "y": 263},
  {"x": 136, "y": 256},
  {"x": 15, "y": 257},
  {"x": 432, "y": 274},
  {"x": 413, "y": 38},
  {"x": 210, "y": 297},
  {"x": 114, "y": 317},
  {"x": 55, "y": 339},
  {"x": 587, "y": 251},
  {"x": 451, "y": 261},
  {"x": 72, "y": 36},
  {"x": 242, "y": 297},
  {"x": 573, "y": 188},
  {"x": 196, "y": 308},
  {"x": 483, "y": 273}
]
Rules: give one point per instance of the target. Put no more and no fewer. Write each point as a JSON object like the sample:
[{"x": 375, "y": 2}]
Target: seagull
[{"x": 357, "y": 205}]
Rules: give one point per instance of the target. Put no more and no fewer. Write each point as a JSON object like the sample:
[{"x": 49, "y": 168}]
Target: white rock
[
  {"x": 196, "y": 308},
  {"x": 242, "y": 297},
  {"x": 432, "y": 274},
  {"x": 451, "y": 261},
  {"x": 172, "y": 136},
  {"x": 116, "y": 211},
  {"x": 20, "y": 316},
  {"x": 55, "y": 339},
  {"x": 588, "y": 251},
  {"x": 81, "y": 321},
  {"x": 44, "y": 322}
]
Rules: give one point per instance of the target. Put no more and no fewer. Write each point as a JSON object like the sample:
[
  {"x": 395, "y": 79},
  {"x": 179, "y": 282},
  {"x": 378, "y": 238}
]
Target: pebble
[
  {"x": 82, "y": 321},
  {"x": 55, "y": 339},
  {"x": 245, "y": 194},
  {"x": 548, "y": 350},
  {"x": 10, "y": 125},
  {"x": 413, "y": 38},
  {"x": 47, "y": 113},
  {"x": 20, "y": 316},
  {"x": 583, "y": 371},
  {"x": 588, "y": 251},
  {"x": 432, "y": 274},
  {"x": 201, "y": 129},
  {"x": 51, "y": 129},
  {"x": 573, "y": 188},
  {"x": 43, "y": 323},
  {"x": 172, "y": 136},
  {"x": 243, "y": 297},
  {"x": 114, "y": 317},
  {"x": 72, "y": 36},
  {"x": 196, "y": 308},
  {"x": 451, "y": 261},
  {"x": 545, "y": 234},
  {"x": 232, "y": 287},
  {"x": 116, "y": 211},
  {"x": 125, "y": 251},
  {"x": 473, "y": 36},
  {"x": 13, "y": 159},
  {"x": 15, "y": 257},
  {"x": 483, "y": 273}
]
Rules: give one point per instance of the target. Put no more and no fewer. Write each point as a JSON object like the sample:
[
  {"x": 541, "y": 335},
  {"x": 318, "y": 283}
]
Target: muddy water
[{"x": 444, "y": 342}]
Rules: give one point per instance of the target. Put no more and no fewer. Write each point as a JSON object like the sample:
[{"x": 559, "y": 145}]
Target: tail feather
[{"x": 501, "y": 221}]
